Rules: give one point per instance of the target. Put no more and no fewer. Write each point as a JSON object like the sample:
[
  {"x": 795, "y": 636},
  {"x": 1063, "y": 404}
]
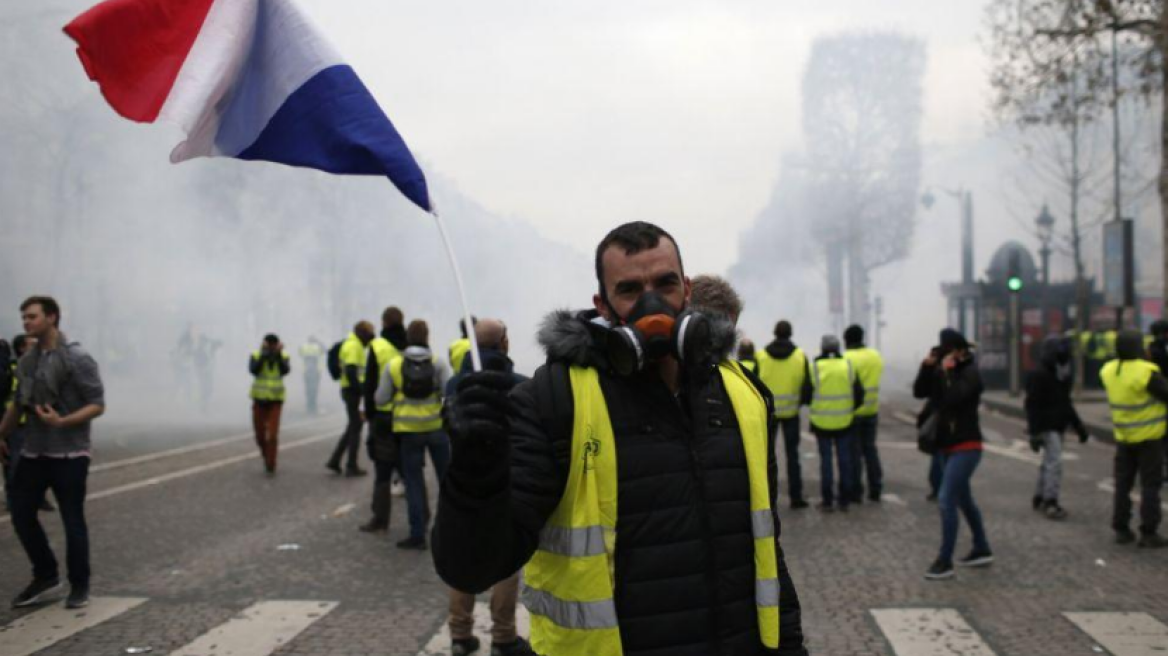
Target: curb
[{"x": 1099, "y": 431}]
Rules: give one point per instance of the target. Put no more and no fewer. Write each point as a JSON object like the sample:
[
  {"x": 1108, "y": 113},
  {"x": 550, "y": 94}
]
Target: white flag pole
[{"x": 475, "y": 360}]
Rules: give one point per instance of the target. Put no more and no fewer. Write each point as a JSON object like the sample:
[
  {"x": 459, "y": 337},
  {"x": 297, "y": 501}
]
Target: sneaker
[
  {"x": 939, "y": 570},
  {"x": 1054, "y": 511},
  {"x": 397, "y": 488},
  {"x": 799, "y": 504},
  {"x": 1152, "y": 541},
  {"x": 417, "y": 544},
  {"x": 355, "y": 472},
  {"x": 78, "y": 597},
  {"x": 874, "y": 498},
  {"x": 36, "y": 592},
  {"x": 932, "y": 496},
  {"x": 374, "y": 526},
  {"x": 1125, "y": 536},
  {"x": 1036, "y": 502},
  {"x": 335, "y": 468},
  {"x": 464, "y": 646},
  {"x": 825, "y": 508},
  {"x": 977, "y": 559},
  {"x": 519, "y": 647}
]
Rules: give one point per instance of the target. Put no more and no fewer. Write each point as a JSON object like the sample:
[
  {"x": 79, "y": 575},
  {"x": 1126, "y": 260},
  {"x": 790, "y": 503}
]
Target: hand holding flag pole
[{"x": 253, "y": 80}]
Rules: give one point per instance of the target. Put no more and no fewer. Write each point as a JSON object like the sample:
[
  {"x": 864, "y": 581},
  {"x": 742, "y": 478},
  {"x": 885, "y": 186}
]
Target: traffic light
[{"x": 1014, "y": 272}]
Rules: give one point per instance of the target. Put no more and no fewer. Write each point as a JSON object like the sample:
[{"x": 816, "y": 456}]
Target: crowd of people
[{"x": 652, "y": 392}]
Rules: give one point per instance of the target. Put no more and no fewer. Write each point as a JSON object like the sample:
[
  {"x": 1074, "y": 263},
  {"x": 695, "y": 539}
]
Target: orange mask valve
[{"x": 655, "y": 325}]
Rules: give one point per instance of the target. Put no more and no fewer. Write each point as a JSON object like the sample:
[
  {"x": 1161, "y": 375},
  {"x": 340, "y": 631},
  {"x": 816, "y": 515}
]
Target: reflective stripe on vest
[
  {"x": 458, "y": 350},
  {"x": 570, "y": 579},
  {"x": 352, "y": 355},
  {"x": 413, "y": 415},
  {"x": 869, "y": 367},
  {"x": 1136, "y": 415},
  {"x": 784, "y": 378},
  {"x": 269, "y": 382},
  {"x": 383, "y": 353},
  {"x": 832, "y": 404}
]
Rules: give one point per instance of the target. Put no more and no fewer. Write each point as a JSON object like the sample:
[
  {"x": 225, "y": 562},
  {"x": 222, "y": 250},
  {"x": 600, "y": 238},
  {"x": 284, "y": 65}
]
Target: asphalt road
[{"x": 195, "y": 550}]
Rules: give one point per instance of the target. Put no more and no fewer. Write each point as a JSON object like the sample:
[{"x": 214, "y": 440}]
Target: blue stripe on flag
[{"x": 332, "y": 123}]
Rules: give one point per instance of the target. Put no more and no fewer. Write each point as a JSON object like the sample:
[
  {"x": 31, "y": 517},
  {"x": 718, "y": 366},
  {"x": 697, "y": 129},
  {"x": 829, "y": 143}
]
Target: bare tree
[
  {"x": 1053, "y": 64},
  {"x": 861, "y": 127}
]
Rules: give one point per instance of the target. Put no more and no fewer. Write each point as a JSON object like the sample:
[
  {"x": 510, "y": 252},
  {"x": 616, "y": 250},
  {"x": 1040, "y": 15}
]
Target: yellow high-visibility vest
[
  {"x": 269, "y": 382},
  {"x": 383, "y": 352},
  {"x": 458, "y": 350},
  {"x": 832, "y": 404},
  {"x": 749, "y": 364},
  {"x": 311, "y": 353},
  {"x": 785, "y": 380},
  {"x": 1136, "y": 415},
  {"x": 571, "y": 578},
  {"x": 413, "y": 415},
  {"x": 869, "y": 367},
  {"x": 352, "y": 355}
]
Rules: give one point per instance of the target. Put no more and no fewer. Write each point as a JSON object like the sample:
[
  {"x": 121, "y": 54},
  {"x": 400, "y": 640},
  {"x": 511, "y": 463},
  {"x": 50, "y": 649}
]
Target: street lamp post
[
  {"x": 965, "y": 198},
  {"x": 1045, "y": 223}
]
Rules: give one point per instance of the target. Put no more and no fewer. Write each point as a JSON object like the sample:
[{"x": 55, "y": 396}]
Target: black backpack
[
  {"x": 417, "y": 378},
  {"x": 7, "y": 359},
  {"x": 334, "y": 361}
]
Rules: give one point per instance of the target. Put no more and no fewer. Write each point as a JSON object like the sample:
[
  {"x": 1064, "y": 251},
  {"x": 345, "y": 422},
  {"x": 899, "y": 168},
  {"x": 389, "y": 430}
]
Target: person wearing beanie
[
  {"x": 1137, "y": 393},
  {"x": 836, "y": 393},
  {"x": 950, "y": 381},
  {"x": 783, "y": 368},
  {"x": 268, "y": 365},
  {"x": 869, "y": 367}
]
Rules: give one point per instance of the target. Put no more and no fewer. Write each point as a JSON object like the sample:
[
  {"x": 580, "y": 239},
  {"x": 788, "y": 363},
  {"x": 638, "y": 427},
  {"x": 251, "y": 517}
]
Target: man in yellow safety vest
[
  {"x": 268, "y": 366},
  {"x": 836, "y": 393},
  {"x": 784, "y": 368},
  {"x": 1137, "y": 393},
  {"x": 869, "y": 367},
  {"x": 639, "y": 395},
  {"x": 352, "y": 356}
]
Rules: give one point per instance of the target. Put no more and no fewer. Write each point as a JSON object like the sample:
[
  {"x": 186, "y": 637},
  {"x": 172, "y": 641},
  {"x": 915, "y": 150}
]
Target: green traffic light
[{"x": 1014, "y": 284}]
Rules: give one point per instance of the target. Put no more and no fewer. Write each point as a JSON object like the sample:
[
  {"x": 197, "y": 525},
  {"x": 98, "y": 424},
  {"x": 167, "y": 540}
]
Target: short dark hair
[
  {"x": 18, "y": 343},
  {"x": 418, "y": 333},
  {"x": 48, "y": 305},
  {"x": 392, "y": 316},
  {"x": 633, "y": 237},
  {"x": 783, "y": 329},
  {"x": 474, "y": 321},
  {"x": 271, "y": 338}
]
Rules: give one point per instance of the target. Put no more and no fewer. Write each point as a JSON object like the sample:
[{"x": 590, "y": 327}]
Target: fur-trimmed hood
[{"x": 579, "y": 337}]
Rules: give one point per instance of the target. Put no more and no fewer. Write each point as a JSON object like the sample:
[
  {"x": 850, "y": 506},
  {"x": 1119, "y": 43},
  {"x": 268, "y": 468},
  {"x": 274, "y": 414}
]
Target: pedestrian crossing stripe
[
  {"x": 929, "y": 632},
  {"x": 47, "y": 627},
  {"x": 1124, "y": 634},
  {"x": 439, "y": 644},
  {"x": 259, "y": 630}
]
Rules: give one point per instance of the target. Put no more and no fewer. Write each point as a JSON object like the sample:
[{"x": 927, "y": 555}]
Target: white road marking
[
  {"x": 893, "y": 498},
  {"x": 193, "y": 448},
  {"x": 905, "y": 417},
  {"x": 439, "y": 644},
  {"x": 259, "y": 630},
  {"x": 191, "y": 471},
  {"x": 929, "y": 632},
  {"x": 1109, "y": 487},
  {"x": 48, "y": 626},
  {"x": 1124, "y": 634}
]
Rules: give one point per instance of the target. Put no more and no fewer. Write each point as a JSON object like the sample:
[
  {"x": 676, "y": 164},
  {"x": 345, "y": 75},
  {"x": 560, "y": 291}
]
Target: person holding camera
[
  {"x": 268, "y": 365},
  {"x": 949, "y": 379},
  {"x": 638, "y": 395}
]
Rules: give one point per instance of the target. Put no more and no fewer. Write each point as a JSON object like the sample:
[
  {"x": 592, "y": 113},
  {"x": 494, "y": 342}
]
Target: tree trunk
[{"x": 1162, "y": 44}]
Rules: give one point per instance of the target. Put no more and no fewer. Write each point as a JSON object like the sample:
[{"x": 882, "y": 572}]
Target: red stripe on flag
[{"x": 134, "y": 49}]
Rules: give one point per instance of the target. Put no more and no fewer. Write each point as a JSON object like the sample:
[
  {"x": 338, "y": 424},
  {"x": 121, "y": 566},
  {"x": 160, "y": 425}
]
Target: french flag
[{"x": 250, "y": 79}]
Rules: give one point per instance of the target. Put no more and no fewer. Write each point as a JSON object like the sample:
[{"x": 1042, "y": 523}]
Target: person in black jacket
[
  {"x": 1158, "y": 354},
  {"x": 1049, "y": 413},
  {"x": 949, "y": 379},
  {"x": 683, "y": 567}
]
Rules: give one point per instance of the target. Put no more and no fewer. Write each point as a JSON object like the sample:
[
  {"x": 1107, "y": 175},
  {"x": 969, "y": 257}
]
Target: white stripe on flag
[
  {"x": 48, "y": 626},
  {"x": 1124, "y": 634},
  {"x": 930, "y": 632},
  {"x": 259, "y": 630}
]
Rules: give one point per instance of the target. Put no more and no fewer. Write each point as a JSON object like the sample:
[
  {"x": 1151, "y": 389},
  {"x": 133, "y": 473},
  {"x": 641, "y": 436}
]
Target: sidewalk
[{"x": 1092, "y": 408}]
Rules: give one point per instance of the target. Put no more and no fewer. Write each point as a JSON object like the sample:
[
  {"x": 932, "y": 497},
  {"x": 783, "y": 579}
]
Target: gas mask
[{"x": 654, "y": 330}]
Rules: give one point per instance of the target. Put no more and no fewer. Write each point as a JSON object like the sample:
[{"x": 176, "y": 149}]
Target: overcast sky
[{"x": 577, "y": 116}]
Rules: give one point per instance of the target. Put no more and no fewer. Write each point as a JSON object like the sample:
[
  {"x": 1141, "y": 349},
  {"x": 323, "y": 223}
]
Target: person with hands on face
[
  {"x": 633, "y": 475},
  {"x": 60, "y": 392},
  {"x": 269, "y": 366},
  {"x": 1049, "y": 413}
]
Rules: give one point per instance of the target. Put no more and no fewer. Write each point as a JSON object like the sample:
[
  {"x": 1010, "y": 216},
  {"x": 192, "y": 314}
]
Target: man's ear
[
  {"x": 688, "y": 290},
  {"x": 602, "y": 307}
]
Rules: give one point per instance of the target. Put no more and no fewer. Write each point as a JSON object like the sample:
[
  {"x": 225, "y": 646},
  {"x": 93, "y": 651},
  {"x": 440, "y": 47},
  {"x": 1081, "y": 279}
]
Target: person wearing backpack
[
  {"x": 414, "y": 383},
  {"x": 351, "y": 357}
]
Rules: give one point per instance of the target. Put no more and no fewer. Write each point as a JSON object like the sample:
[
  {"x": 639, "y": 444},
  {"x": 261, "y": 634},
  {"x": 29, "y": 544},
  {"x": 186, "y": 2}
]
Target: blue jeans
[
  {"x": 842, "y": 444},
  {"x": 413, "y": 455},
  {"x": 66, "y": 477},
  {"x": 935, "y": 473},
  {"x": 866, "y": 459},
  {"x": 790, "y": 430},
  {"x": 957, "y": 494}
]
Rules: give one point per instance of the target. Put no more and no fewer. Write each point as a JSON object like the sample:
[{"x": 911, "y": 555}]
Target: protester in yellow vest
[
  {"x": 268, "y": 365},
  {"x": 10, "y": 455},
  {"x": 635, "y": 397},
  {"x": 352, "y": 358},
  {"x": 869, "y": 367},
  {"x": 746, "y": 356},
  {"x": 1137, "y": 393},
  {"x": 414, "y": 382},
  {"x": 836, "y": 394},
  {"x": 458, "y": 349},
  {"x": 382, "y": 443},
  {"x": 784, "y": 368}
]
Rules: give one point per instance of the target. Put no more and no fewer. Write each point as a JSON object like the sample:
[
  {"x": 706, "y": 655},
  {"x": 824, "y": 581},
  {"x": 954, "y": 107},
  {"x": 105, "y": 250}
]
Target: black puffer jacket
[
  {"x": 685, "y": 557},
  {"x": 956, "y": 394},
  {"x": 1048, "y": 391}
]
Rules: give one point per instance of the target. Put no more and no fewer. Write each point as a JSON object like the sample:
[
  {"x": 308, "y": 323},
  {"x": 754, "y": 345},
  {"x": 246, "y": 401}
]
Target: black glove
[
  {"x": 1083, "y": 434},
  {"x": 478, "y": 416},
  {"x": 1036, "y": 442}
]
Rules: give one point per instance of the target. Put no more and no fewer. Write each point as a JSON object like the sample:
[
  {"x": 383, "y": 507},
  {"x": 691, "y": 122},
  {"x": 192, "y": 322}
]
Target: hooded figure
[{"x": 1049, "y": 413}]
